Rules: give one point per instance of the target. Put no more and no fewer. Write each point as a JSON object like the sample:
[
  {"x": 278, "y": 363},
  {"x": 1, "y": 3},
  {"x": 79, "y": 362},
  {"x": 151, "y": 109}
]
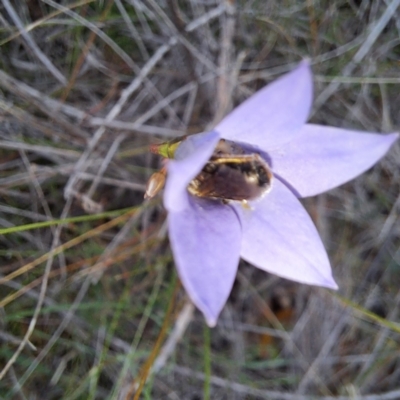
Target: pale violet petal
[
  {"x": 274, "y": 114},
  {"x": 193, "y": 143},
  {"x": 205, "y": 240},
  {"x": 280, "y": 237},
  {"x": 196, "y": 151},
  {"x": 320, "y": 158}
]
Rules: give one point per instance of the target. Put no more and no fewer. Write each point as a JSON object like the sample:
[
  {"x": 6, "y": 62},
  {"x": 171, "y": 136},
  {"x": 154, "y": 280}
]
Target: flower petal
[
  {"x": 320, "y": 158},
  {"x": 280, "y": 237},
  {"x": 274, "y": 114},
  {"x": 205, "y": 240},
  {"x": 192, "y": 154}
]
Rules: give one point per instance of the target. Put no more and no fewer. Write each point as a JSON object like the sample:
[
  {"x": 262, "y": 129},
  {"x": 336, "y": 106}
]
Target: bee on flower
[{"x": 263, "y": 154}]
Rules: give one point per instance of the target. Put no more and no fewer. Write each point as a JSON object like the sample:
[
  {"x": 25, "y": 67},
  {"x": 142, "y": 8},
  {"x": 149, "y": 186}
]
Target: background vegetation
[{"x": 91, "y": 307}]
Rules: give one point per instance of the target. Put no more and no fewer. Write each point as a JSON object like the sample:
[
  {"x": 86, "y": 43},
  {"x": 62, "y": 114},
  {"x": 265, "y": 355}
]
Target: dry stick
[
  {"x": 62, "y": 366},
  {"x": 26, "y": 235},
  {"x": 71, "y": 243},
  {"x": 46, "y": 105},
  {"x": 387, "y": 124},
  {"x": 45, "y": 150},
  {"x": 112, "y": 91},
  {"x": 118, "y": 50},
  {"x": 112, "y": 259},
  {"x": 379, "y": 343},
  {"x": 187, "y": 88},
  {"x": 39, "y": 304},
  {"x": 120, "y": 388},
  {"x": 123, "y": 254},
  {"x": 397, "y": 20},
  {"x": 68, "y": 191},
  {"x": 361, "y": 53},
  {"x": 205, "y": 18},
  {"x": 65, "y": 322},
  {"x": 181, "y": 326},
  {"x": 85, "y": 176},
  {"x": 35, "y": 49},
  {"x": 97, "y": 136},
  {"x": 176, "y": 21},
  {"x": 224, "y": 85},
  {"x": 23, "y": 213},
  {"x": 133, "y": 126},
  {"x": 24, "y": 289},
  {"x": 275, "y": 395},
  {"x": 54, "y": 105},
  {"x": 47, "y": 128},
  {"x": 388, "y": 225},
  {"x": 106, "y": 161},
  {"x": 76, "y": 303},
  {"x": 273, "y": 71},
  {"x": 358, "y": 80},
  {"x": 197, "y": 54},
  {"x": 121, "y": 53},
  {"x": 15, "y": 382},
  {"x": 184, "y": 318},
  {"x": 125, "y": 95},
  {"x": 84, "y": 53},
  {"x": 117, "y": 239},
  {"x": 38, "y": 189},
  {"x": 134, "y": 33},
  {"x": 313, "y": 26},
  {"x": 51, "y": 106},
  {"x": 22, "y": 89},
  {"x": 189, "y": 107},
  {"x": 313, "y": 370},
  {"x": 33, "y": 294},
  {"x": 164, "y": 102},
  {"x": 144, "y": 15},
  {"x": 147, "y": 367},
  {"x": 42, "y": 21},
  {"x": 322, "y": 98},
  {"x": 271, "y": 317},
  {"x": 41, "y": 174}
]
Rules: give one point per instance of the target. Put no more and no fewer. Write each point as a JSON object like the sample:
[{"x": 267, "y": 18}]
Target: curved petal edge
[
  {"x": 193, "y": 153},
  {"x": 205, "y": 240},
  {"x": 321, "y": 158},
  {"x": 274, "y": 114},
  {"x": 280, "y": 237}
]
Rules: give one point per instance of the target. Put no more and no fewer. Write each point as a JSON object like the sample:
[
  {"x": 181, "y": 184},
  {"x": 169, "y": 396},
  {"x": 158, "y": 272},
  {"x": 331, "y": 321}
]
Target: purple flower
[{"x": 208, "y": 237}]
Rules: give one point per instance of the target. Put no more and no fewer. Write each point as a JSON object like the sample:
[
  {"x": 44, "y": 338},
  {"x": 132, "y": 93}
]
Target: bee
[
  {"x": 231, "y": 174},
  {"x": 233, "y": 177}
]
